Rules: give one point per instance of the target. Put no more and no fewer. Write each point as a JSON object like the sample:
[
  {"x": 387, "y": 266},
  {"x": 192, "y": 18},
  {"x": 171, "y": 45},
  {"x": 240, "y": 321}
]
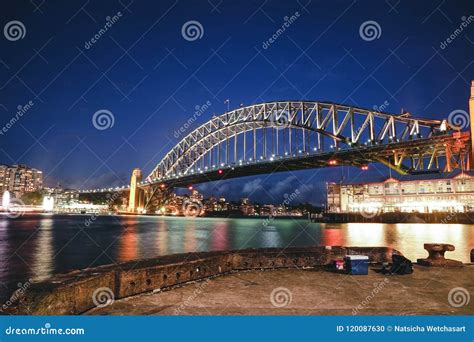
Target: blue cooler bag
[{"x": 357, "y": 264}]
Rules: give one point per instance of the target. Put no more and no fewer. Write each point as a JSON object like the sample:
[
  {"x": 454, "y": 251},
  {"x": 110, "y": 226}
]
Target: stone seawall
[
  {"x": 398, "y": 217},
  {"x": 73, "y": 293}
]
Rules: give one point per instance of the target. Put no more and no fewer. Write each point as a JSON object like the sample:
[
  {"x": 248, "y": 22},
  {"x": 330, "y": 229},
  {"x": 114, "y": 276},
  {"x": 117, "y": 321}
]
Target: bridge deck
[{"x": 362, "y": 155}]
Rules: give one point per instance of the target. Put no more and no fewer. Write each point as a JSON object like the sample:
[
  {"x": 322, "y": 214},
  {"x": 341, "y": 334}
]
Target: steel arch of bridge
[{"x": 290, "y": 129}]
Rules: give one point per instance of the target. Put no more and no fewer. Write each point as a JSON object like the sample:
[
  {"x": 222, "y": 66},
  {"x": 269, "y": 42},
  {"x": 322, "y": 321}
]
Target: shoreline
[
  {"x": 387, "y": 218},
  {"x": 409, "y": 218},
  {"x": 157, "y": 286},
  {"x": 72, "y": 293}
]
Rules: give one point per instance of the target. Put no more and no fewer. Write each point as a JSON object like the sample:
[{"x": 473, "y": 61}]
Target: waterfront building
[
  {"x": 213, "y": 204},
  {"x": 247, "y": 208},
  {"x": 174, "y": 205},
  {"x": 63, "y": 198},
  {"x": 267, "y": 210},
  {"x": 20, "y": 179},
  {"x": 195, "y": 195},
  {"x": 428, "y": 193}
]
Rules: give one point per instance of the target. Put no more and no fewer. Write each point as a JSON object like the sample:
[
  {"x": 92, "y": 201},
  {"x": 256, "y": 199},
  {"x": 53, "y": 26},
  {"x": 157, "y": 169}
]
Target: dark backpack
[{"x": 401, "y": 265}]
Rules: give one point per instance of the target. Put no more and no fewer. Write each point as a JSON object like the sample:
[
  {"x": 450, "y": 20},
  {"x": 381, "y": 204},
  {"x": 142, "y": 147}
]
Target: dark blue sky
[{"x": 150, "y": 78}]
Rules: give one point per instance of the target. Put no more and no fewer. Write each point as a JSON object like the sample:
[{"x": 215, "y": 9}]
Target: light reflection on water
[{"x": 39, "y": 246}]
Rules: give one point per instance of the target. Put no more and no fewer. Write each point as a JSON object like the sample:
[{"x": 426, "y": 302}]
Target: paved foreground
[{"x": 311, "y": 292}]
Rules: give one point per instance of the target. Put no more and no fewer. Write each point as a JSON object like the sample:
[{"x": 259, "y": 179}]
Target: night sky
[{"x": 151, "y": 78}]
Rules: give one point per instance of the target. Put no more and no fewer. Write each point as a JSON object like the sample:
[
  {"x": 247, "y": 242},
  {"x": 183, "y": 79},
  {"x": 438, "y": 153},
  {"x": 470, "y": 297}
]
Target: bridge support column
[
  {"x": 471, "y": 123},
  {"x": 136, "y": 197}
]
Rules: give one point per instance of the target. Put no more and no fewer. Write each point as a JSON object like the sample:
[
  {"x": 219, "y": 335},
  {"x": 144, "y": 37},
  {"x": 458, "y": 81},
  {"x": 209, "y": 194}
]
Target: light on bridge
[
  {"x": 364, "y": 167},
  {"x": 333, "y": 162}
]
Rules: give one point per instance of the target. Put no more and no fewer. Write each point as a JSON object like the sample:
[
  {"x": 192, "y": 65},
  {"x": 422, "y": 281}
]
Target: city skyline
[
  {"x": 302, "y": 162},
  {"x": 418, "y": 72}
]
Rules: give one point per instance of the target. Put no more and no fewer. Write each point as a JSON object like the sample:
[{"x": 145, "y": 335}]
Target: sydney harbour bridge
[{"x": 295, "y": 135}]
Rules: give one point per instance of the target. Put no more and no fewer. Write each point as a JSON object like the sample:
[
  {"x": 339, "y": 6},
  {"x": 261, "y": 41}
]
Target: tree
[{"x": 32, "y": 198}]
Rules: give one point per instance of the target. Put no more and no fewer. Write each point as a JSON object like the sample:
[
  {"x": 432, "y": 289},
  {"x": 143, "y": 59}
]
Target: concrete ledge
[
  {"x": 310, "y": 291},
  {"x": 73, "y": 293}
]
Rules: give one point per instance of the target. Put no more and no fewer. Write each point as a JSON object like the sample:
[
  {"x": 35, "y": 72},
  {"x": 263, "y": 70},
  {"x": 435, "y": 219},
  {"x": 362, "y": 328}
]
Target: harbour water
[{"x": 39, "y": 246}]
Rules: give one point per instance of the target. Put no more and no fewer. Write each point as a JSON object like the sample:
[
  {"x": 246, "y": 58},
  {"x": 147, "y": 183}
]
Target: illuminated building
[
  {"x": 63, "y": 199},
  {"x": 19, "y": 179},
  {"x": 267, "y": 210},
  {"x": 428, "y": 193},
  {"x": 195, "y": 195},
  {"x": 247, "y": 208}
]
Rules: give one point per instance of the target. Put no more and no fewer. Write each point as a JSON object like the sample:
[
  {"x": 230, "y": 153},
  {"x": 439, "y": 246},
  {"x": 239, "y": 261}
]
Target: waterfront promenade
[
  {"x": 307, "y": 292},
  {"x": 293, "y": 281}
]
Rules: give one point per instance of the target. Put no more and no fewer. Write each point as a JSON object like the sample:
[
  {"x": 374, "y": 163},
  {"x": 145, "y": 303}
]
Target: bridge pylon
[
  {"x": 471, "y": 123},
  {"x": 135, "y": 201}
]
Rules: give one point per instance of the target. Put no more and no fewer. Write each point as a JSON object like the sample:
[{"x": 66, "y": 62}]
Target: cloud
[
  {"x": 252, "y": 186},
  {"x": 287, "y": 185},
  {"x": 268, "y": 190}
]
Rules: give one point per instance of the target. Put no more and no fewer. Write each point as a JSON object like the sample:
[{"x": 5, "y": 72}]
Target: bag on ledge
[{"x": 401, "y": 265}]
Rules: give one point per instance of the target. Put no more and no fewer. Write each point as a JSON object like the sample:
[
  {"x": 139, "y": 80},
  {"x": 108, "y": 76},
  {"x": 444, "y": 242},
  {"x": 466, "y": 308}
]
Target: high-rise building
[{"x": 19, "y": 179}]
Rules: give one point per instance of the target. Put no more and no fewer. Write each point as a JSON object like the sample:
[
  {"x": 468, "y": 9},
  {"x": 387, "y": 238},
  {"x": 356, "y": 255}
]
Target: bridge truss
[
  {"x": 321, "y": 134},
  {"x": 295, "y": 135}
]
